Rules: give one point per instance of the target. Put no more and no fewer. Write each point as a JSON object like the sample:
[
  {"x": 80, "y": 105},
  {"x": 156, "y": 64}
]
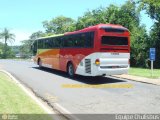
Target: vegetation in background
[
  {"x": 37, "y": 34},
  {"x": 127, "y": 15},
  {"x": 25, "y": 49},
  {"x": 59, "y": 25},
  {"x": 152, "y": 8},
  {"x": 7, "y": 37}
]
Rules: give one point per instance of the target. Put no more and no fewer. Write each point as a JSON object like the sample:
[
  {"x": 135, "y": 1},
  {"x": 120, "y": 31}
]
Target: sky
[{"x": 23, "y": 17}]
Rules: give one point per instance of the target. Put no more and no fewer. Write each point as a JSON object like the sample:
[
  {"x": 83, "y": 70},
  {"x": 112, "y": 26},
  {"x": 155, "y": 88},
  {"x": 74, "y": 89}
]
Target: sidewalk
[{"x": 139, "y": 79}]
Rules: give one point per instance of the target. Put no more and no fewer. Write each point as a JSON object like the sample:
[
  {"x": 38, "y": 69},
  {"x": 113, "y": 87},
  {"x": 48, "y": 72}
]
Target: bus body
[{"x": 98, "y": 50}]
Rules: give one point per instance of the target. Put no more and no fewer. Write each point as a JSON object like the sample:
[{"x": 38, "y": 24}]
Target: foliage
[
  {"x": 15, "y": 49},
  {"x": 25, "y": 49},
  {"x": 59, "y": 25},
  {"x": 127, "y": 15},
  {"x": 36, "y": 35},
  {"x": 1, "y": 47},
  {"x": 9, "y": 52},
  {"x": 6, "y": 36},
  {"x": 153, "y": 10}
]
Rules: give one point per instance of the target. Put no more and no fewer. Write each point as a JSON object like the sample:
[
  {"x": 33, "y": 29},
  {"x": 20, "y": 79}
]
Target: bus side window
[
  {"x": 76, "y": 39},
  {"x": 71, "y": 41},
  {"x": 34, "y": 48},
  {"x": 46, "y": 43},
  {"x": 49, "y": 43},
  {"x": 41, "y": 44},
  {"x": 89, "y": 39},
  {"x": 64, "y": 41},
  {"x": 53, "y": 42},
  {"x": 68, "y": 41},
  {"x": 82, "y": 40},
  {"x": 57, "y": 42}
]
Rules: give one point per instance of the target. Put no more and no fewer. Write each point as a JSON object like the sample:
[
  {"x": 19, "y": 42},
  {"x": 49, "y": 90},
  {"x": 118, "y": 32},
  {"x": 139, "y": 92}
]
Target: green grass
[
  {"x": 13, "y": 100},
  {"x": 144, "y": 72},
  {"x": 0, "y": 51}
]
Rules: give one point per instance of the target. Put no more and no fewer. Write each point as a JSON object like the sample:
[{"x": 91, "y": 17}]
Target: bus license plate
[{"x": 114, "y": 53}]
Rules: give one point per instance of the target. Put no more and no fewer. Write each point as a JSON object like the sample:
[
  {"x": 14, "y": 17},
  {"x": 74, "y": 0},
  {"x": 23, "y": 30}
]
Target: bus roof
[
  {"x": 50, "y": 36},
  {"x": 97, "y": 27},
  {"x": 90, "y": 28}
]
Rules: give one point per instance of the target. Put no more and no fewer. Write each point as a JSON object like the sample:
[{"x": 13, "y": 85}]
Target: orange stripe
[{"x": 50, "y": 57}]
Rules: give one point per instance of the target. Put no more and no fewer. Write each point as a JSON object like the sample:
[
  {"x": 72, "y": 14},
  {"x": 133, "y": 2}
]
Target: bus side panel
[
  {"x": 54, "y": 58},
  {"x": 50, "y": 58},
  {"x": 74, "y": 55}
]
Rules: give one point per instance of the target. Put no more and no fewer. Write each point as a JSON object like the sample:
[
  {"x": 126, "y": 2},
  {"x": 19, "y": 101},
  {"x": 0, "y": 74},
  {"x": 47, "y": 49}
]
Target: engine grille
[{"x": 88, "y": 66}]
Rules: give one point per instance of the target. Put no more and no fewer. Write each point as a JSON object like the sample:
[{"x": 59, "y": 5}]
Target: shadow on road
[{"x": 83, "y": 79}]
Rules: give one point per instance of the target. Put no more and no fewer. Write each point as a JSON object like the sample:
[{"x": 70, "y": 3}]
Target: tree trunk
[{"x": 5, "y": 48}]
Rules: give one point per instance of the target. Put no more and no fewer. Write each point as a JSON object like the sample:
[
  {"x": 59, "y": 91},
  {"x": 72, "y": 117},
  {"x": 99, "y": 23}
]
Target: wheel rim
[{"x": 70, "y": 70}]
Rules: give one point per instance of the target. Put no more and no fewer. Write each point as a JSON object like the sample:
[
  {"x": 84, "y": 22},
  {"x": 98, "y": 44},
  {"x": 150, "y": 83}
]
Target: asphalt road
[{"x": 47, "y": 83}]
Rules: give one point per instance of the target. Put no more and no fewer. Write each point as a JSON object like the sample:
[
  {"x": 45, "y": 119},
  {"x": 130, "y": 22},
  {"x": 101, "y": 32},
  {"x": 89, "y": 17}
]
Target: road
[{"x": 47, "y": 83}]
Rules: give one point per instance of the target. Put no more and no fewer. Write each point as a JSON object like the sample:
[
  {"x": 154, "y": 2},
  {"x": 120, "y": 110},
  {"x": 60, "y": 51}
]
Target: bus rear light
[
  {"x": 97, "y": 62},
  {"x": 129, "y": 61}
]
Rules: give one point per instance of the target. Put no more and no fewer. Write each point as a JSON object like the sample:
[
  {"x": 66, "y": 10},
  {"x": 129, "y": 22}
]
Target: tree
[
  {"x": 126, "y": 15},
  {"x": 7, "y": 37},
  {"x": 59, "y": 25},
  {"x": 153, "y": 10},
  {"x": 1, "y": 47},
  {"x": 25, "y": 48},
  {"x": 36, "y": 35}
]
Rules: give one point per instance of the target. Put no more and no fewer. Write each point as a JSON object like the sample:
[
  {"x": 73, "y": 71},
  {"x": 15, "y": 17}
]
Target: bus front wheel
[
  {"x": 70, "y": 70},
  {"x": 40, "y": 63}
]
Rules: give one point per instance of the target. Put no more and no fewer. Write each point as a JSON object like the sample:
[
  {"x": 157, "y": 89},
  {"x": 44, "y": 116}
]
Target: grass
[
  {"x": 144, "y": 72},
  {"x": 15, "y": 101}
]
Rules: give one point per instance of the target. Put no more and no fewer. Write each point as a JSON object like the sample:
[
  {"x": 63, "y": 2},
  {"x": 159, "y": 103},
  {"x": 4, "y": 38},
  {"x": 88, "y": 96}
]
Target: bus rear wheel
[{"x": 70, "y": 70}]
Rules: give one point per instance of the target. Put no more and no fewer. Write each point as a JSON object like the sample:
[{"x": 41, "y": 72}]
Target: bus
[{"x": 99, "y": 50}]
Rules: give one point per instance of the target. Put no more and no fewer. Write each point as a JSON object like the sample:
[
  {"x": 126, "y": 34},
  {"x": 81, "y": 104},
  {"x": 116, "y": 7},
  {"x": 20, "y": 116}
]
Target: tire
[
  {"x": 40, "y": 63},
  {"x": 70, "y": 70}
]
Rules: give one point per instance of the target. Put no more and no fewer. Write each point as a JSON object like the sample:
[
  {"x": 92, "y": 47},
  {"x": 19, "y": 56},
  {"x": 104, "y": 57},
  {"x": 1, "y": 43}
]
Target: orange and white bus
[{"x": 103, "y": 49}]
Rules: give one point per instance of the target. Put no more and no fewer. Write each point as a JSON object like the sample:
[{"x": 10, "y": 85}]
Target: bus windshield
[{"x": 115, "y": 41}]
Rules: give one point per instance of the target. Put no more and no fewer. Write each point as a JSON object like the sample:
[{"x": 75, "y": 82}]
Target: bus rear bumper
[
  {"x": 112, "y": 71},
  {"x": 101, "y": 72}
]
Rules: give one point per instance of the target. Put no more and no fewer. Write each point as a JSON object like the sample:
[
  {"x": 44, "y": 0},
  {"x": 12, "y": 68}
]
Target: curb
[
  {"x": 58, "y": 108},
  {"x": 142, "y": 81},
  {"x": 29, "y": 93}
]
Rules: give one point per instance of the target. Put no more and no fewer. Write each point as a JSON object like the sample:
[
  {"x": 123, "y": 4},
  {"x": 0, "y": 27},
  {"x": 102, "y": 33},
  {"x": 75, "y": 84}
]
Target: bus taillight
[{"x": 97, "y": 62}]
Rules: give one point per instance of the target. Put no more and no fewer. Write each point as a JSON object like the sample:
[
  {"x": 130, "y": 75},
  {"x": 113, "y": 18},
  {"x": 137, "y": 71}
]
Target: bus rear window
[{"x": 112, "y": 40}]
